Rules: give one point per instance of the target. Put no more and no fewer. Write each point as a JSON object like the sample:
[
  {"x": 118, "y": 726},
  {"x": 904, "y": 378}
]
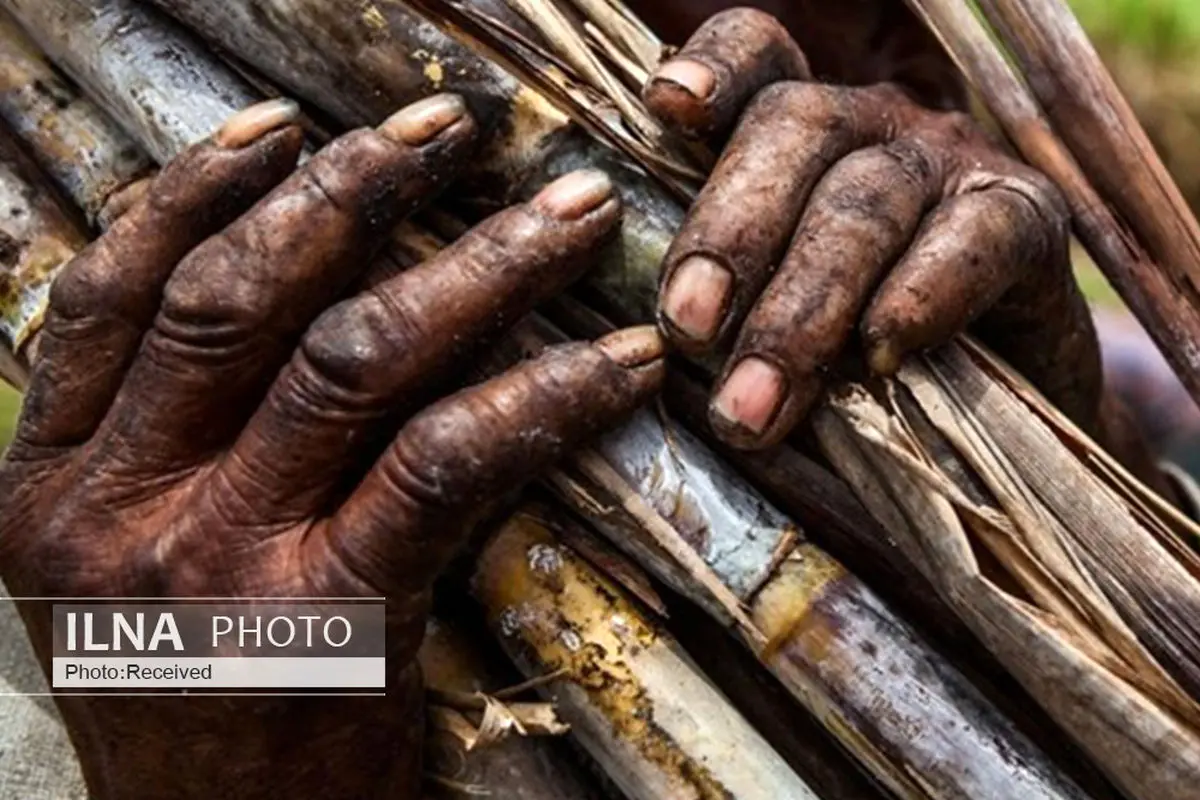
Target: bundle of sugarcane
[{"x": 385, "y": 56}]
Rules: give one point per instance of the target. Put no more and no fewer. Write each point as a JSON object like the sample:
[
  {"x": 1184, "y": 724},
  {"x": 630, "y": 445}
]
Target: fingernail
[
  {"x": 119, "y": 202},
  {"x": 752, "y": 395},
  {"x": 693, "y": 76},
  {"x": 251, "y": 124},
  {"x": 884, "y": 358},
  {"x": 573, "y": 196},
  {"x": 697, "y": 297},
  {"x": 633, "y": 347},
  {"x": 420, "y": 122}
]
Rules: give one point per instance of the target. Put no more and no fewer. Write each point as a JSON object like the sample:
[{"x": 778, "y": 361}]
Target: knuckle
[
  {"x": 1045, "y": 196},
  {"x": 210, "y": 296},
  {"x": 786, "y": 97},
  {"x": 957, "y": 124},
  {"x": 1035, "y": 198},
  {"x": 426, "y": 467},
  {"x": 746, "y": 15},
  {"x": 87, "y": 284},
  {"x": 909, "y": 158},
  {"x": 748, "y": 37},
  {"x": 344, "y": 346},
  {"x": 810, "y": 105},
  {"x": 507, "y": 236},
  {"x": 337, "y": 172}
]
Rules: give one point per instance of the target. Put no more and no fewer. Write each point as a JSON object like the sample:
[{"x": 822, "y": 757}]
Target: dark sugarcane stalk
[
  {"x": 37, "y": 237},
  {"x": 773, "y": 712},
  {"x": 87, "y": 155}
]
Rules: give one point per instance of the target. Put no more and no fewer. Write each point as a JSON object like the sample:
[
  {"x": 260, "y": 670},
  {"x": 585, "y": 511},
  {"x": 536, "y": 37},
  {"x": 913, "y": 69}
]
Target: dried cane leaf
[
  {"x": 616, "y": 25},
  {"x": 570, "y": 44},
  {"x": 460, "y": 677},
  {"x": 585, "y": 104},
  {"x": 1061, "y": 670},
  {"x": 1154, "y": 593},
  {"x": 1061, "y": 582}
]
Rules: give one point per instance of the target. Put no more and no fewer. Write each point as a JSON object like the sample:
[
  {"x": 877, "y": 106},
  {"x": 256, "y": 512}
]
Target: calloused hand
[
  {"x": 851, "y": 217},
  {"x": 220, "y": 409}
]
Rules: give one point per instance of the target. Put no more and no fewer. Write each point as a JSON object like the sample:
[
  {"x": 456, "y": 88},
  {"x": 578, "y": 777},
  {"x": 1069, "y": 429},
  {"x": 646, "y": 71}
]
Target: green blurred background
[
  {"x": 1152, "y": 47},
  {"x": 10, "y": 401}
]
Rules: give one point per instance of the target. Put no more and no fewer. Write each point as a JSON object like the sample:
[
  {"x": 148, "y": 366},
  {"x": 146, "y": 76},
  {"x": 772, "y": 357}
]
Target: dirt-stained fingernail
[
  {"x": 751, "y": 396},
  {"x": 422, "y": 121},
  {"x": 693, "y": 76},
  {"x": 119, "y": 202},
  {"x": 697, "y": 297},
  {"x": 633, "y": 347},
  {"x": 251, "y": 124},
  {"x": 884, "y": 357},
  {"x": 575, "y": 195}
]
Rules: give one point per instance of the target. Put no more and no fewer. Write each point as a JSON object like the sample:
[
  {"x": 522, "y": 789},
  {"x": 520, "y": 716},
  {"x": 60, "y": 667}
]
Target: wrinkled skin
[
  {"x": 847, "y": 215},
  {"x": 205, "y": 419}
]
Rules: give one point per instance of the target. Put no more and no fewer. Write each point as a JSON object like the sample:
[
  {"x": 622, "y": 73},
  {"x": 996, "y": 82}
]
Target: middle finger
[{"x": 740, "y": 226}]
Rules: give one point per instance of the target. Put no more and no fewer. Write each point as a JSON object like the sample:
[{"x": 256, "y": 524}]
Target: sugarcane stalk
[
  {"x": 1154, "y": 266},
  {"x": 38, "y": 235},
  {"x": 840, "y": 525},
  {"x": 785, "y": 724},
  {"x": 1093, "y": 118},
  {"x": 632, "y": 697},
  {"x": 913, "y": 766},
  {"x": 164, "y": 87},
  {"x": 87, "y": 155},
  {"x": 822, "y": 632},
  {"x": 802, "y": 489},
  {"x": 518, "y": 766}
]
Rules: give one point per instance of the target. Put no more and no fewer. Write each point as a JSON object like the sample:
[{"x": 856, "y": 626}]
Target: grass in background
[
  {"x": 1161, "y": 29},
  {"x": 10, "y": 404}
]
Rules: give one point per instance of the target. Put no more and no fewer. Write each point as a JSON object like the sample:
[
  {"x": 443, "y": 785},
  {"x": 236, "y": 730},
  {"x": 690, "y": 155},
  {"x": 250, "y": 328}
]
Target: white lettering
[{"x": 166, "y": 630}]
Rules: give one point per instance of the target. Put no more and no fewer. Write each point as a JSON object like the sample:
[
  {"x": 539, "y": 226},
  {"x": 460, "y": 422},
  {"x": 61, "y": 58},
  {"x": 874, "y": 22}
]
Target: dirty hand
[
  {"x": 847, "y": 217},
  {"x": 207, "y": 419}
]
